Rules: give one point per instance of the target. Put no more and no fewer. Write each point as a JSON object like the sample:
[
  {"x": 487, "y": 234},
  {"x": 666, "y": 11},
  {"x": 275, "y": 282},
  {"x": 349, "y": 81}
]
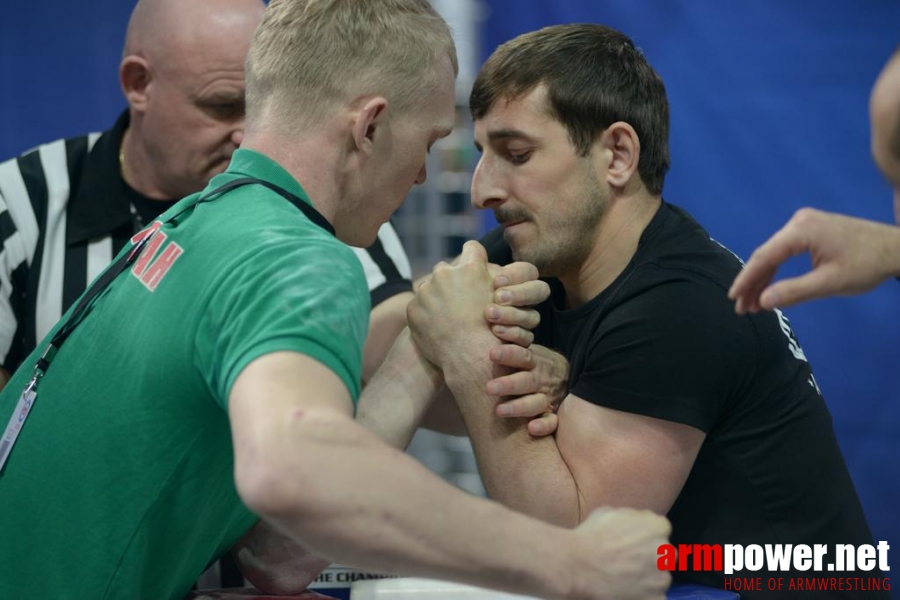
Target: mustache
[{"x": 512, "y": 215}]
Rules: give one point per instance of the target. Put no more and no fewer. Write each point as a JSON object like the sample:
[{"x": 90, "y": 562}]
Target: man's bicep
[
  {"x": 274, "y": 396},
  {"x": 285, "y": 385},
  {"x": 624, "y": 459}
]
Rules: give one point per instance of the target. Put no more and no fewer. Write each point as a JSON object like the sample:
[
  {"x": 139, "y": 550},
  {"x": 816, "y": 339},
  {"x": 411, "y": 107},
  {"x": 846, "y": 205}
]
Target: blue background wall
[
  {"x": 769, "y": 113},
  {"x": 58, "y": 69}
]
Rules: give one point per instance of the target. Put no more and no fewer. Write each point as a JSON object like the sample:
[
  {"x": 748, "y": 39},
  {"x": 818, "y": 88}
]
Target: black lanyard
[{"x": 83, "y": 308}]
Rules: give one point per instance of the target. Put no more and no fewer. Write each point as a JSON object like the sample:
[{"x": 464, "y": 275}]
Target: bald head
[
  {"x": 884, "y": 110},
  {"x": 158, "y": 27},
  {"x": 183, "y": 76}
]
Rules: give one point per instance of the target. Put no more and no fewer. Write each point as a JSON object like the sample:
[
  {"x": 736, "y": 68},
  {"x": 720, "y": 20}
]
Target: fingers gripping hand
[
  {"x": 530, "y": 390},
  {"x": 516, "y": 289},
  {"x": 535, "y": 388},
  {"x": 626, "y": 543},
  {"x": 512, "y": 324},
  {"x": 517, "y": 284}
]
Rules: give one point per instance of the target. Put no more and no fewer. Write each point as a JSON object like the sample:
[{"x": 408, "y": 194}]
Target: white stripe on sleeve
[
  {"x": 15, "y": 196},
  {"x": 53, "y": 261}
]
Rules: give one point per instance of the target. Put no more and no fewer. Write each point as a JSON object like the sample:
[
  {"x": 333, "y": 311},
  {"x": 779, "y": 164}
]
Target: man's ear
[
  {"x": 135, "y": 78},
  {"x": 621, "y": 146},
  {"x": 368, "y": 123}
]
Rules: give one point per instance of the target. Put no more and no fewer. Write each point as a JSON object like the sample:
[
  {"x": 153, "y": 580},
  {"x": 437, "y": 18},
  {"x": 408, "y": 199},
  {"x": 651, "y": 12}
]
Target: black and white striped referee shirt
[{"x": 65, "y": 212}]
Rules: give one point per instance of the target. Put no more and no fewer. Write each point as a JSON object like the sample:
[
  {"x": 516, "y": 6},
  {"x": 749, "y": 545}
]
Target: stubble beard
[{"x": 562, "y": 244}]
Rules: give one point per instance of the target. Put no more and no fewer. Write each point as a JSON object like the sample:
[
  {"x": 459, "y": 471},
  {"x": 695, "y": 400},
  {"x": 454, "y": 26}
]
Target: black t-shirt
[{"x": 663, "y": 340}]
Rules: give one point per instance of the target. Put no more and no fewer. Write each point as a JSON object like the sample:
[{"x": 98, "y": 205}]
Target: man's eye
[
  {"x": 519, "y": 157},
  {"x": 226, "y": 110}
]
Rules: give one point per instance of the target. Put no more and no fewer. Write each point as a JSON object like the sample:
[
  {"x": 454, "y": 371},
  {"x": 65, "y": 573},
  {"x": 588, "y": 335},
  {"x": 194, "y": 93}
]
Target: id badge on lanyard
[{"x": 23, "y": 409}]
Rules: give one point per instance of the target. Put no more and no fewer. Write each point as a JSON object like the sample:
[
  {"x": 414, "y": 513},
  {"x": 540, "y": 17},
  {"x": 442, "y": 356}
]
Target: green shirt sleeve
[{"x": 304, "y": 294}]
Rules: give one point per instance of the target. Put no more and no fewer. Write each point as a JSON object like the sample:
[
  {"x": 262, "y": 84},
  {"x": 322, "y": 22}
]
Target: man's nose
[{"x": 487, "y": 191}]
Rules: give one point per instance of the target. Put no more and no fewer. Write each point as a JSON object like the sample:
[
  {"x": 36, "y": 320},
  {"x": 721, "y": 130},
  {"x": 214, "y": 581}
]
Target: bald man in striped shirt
[{"x": 67, "y": 207}]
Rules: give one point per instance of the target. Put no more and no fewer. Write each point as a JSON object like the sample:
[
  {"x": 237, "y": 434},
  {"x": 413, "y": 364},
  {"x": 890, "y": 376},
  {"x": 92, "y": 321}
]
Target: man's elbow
[
  {"x": 277, "y": 580},
  {"x": 264, "y": 486},
  {"x": 281, "y": 575},
  {"x": 270, "y": 489}
]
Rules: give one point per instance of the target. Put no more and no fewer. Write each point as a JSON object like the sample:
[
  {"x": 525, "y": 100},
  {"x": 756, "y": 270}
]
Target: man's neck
[
  {"x": 313, "y": 161},
  {"x": 615, "y": 244},
  {"x": 141, "y": 180}
]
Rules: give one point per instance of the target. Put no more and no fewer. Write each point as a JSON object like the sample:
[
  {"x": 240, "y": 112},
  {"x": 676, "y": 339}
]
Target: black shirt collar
[{"x": 101, "y": 201}]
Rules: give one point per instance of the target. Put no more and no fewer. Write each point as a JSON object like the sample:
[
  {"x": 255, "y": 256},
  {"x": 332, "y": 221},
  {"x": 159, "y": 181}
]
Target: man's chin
[
  {"x": 218, "y": 169},
  {"x": 521, "y": 255},
  {"x": 357, "y": 239},
  {"x": 217, "y": 166},
  {"x": 516, "y": 242}
]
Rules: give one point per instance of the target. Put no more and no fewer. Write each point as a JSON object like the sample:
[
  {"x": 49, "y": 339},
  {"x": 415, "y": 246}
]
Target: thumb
[{"x": 472, "y": 252}]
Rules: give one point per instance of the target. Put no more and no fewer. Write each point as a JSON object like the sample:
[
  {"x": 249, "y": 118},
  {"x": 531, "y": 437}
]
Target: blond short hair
[{"x": 309, "y": 57}]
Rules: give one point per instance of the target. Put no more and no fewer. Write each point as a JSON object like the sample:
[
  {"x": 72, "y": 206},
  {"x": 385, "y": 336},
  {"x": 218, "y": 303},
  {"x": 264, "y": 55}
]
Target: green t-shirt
[{"x": 121, "y": 482}]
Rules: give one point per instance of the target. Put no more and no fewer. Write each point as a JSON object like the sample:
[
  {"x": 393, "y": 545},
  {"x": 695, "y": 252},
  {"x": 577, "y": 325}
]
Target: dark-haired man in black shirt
[{"x": 675, "y": 403}]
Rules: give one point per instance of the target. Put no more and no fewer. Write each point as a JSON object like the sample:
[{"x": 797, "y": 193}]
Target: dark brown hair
[{"x": 595, "y": 76}]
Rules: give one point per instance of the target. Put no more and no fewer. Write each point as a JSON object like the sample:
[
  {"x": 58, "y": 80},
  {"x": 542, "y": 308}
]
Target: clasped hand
[{"x": 471, "y": 310}]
